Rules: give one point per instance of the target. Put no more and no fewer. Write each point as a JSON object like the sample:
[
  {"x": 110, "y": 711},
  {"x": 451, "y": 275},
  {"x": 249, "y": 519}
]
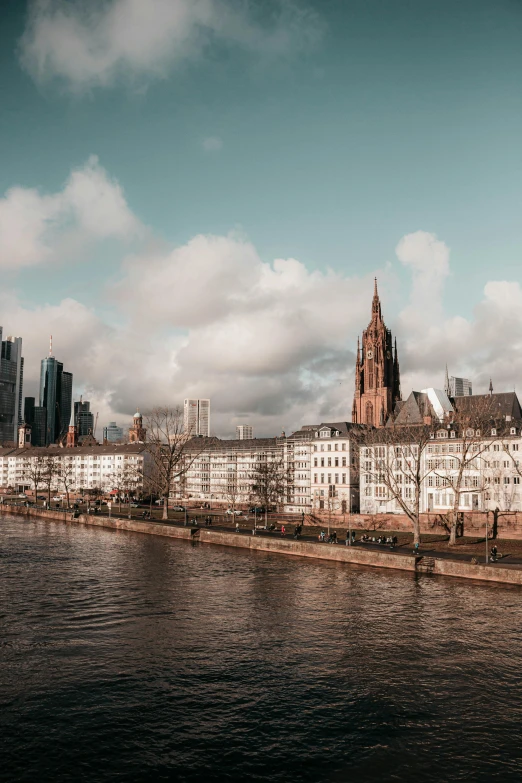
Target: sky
[{"x": 195, "y": 197}]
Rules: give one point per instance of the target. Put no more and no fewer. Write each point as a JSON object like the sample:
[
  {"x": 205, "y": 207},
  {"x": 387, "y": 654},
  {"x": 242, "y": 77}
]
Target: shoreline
[{"x": 423, "y": 564}]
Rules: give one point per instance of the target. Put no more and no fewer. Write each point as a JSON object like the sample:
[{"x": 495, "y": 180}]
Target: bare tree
[
  {"x": 67, "y": 472},
  {"x": 393, "y": 467},
  {"x": 460, "y": 470},
  {"x": 51, "y": 470},
  {"x": 173, "y": 450},
  {"x": 34, "y": 471},
  {"x": 269, "y": 481}
]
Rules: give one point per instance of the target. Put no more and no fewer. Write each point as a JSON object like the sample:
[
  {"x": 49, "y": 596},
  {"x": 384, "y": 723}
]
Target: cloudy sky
[{"x": 195, "y": 196}]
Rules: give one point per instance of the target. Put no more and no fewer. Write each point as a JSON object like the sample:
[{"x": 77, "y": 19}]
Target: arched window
[{"x": 369, "y": 413}]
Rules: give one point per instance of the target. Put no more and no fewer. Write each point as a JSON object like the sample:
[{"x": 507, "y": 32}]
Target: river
[{"x": 127, "y": 657}]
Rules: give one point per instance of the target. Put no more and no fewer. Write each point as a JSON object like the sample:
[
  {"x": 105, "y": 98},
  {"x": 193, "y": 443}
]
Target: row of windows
[{"x": 329, "y": 481}]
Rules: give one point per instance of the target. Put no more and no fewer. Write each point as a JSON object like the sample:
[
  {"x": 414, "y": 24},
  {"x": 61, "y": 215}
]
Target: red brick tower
[
  {"x": 377, "y": 376},
  {"x": 72, "y": 433}
]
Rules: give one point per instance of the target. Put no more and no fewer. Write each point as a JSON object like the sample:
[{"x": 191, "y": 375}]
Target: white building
[
  {"x": 110, "y": 467},
  {"x": 244, "y": 432},
  {"x": 197, "y": 417},
  {"x": 491, "y": 471}
]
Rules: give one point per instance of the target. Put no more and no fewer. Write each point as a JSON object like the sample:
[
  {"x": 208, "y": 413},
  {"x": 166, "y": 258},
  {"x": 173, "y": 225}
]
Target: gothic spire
[
  {"x": 376, "y": 303},
  {"x": 490, "y": 386}
]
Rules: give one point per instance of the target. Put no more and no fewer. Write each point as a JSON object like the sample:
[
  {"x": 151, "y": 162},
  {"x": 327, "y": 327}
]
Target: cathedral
[{"x": 377, "y": 376}]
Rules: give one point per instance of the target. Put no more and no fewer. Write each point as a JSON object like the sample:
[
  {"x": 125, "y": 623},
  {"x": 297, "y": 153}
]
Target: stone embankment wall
[
  {"x": 341, "y": 554},
  {"x": 509, "y": 522}
]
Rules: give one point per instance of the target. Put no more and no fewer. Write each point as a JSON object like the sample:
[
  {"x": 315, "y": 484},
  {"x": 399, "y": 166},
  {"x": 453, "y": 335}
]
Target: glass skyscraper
[
  {"x": 83, "y": 418},
  {"x": 11, "y": 387},
  {"x": 56, "y": 398}
]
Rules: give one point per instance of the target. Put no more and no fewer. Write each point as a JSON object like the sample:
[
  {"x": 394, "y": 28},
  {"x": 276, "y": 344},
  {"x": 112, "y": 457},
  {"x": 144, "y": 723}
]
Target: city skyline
[{"x": 212, "y": 209}]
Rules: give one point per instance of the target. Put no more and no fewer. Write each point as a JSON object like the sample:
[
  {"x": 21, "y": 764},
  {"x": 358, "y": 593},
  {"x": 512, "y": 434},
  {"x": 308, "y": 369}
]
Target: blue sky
[{"x": 336, "y": 128}]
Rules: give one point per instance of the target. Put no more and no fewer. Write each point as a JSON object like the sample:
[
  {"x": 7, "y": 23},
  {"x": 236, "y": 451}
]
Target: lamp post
[{"x": 487, "y": 539}]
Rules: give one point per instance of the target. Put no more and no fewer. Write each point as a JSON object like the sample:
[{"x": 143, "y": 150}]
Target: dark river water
[{"x": 133, "y": 658}]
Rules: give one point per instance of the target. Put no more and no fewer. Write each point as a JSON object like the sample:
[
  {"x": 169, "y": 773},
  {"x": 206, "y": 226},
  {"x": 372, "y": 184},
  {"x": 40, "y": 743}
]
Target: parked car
[
  {"x": 57, "y": 497},
  {"x": 22, "y": 495},
  {"x": 159, "y": 502},
  {"x": 179, "y": 508},
  {"x": 40, "y": 497},
  {"x": 134, "y": 505},
  {"x": 256, "y": 510},
  {"x": 236, "y": 512}
]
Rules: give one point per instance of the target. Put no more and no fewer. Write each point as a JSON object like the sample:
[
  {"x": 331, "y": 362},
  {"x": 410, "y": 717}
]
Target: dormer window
[
  {"x": 470, "y": 433},
  {"x": 477, "y": 433},
  {"x": 442, "y": 434},
  {"x": 452, "y": 435},
  {"x": 513, "y": 430},
  {"x": 493, "y": 431}
]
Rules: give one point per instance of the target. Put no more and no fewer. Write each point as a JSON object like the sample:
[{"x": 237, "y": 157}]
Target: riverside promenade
[{"x": 428, "y": 562}]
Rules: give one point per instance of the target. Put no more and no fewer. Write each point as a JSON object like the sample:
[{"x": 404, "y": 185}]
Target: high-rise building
[
  {"x": 377, "y": 376},
  {"x": 39, "y": 427},
  {"x": 11, "y": 387},
  {"x": 244, "y": 432},
  {"x": 197, "y": 417},
  {"x": 55, "y": 397},
  {"x": 83, "y": 418},
  {"x": 457, "y": 387},
  {"x": 112, "y": 433}
]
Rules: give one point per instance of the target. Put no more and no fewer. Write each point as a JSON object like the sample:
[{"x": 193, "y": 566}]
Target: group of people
[
  {"x": 391, "y": 540},
  {"x": 332, "y": 538}
]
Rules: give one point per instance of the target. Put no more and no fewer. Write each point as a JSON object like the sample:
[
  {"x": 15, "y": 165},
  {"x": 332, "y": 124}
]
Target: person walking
[
  {"x": 283, "y": 530},
  {"x": 416, "y": 549}
]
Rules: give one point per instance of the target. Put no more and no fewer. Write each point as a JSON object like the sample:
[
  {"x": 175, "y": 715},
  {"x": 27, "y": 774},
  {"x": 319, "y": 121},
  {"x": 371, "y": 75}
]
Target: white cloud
[
  {"x": 270, "y": 343},
  {"x": 90, "y": 43},
  {"x": 212, "y": 144},
  {"x": 90, "y": 203}
]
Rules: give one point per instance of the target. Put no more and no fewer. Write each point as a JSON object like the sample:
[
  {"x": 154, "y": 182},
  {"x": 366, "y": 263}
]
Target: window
[
  {"x": 344, "y": 478},
  {"x": 344, "y": 462},
  {"x": 315, "y": 462},
  {"x": 315, "y": 478},
  {"x": 514, "y": 447},
  {"x": 506, "y": 464},
  {"x": 329, "y": 462},
  {"x": 329, "y": 447},
  {"x": 336, "y": 447},
  {"x": 506, "y": 480},
  {"x": 336, "y": 478},
  {"x": 329, "y": 478},
  {"x": 513, "y": 430},
  {"x": 367, "y": 492},
  {"x": 343, "y": 447},
  {"x": 322, "y": 462},
  {"x": 496, "y": 447},
  {"x": 322, "y": 478},
  {"x": 493, "y": 431},
  {"x": 516, "y": 479}
]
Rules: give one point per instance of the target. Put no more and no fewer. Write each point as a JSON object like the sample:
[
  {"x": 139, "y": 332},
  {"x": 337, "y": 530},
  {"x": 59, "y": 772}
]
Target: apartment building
[
  {"x": 111, "y": 467},
  {"x": 483, "y": 466}
]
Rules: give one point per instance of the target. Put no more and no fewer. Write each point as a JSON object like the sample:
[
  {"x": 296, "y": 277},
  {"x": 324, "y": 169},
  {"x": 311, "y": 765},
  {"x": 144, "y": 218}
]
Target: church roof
[{"x": 496, "y": 405}]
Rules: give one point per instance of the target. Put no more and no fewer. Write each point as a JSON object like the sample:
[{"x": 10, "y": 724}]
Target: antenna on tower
[{"x": 50, "y": 345}]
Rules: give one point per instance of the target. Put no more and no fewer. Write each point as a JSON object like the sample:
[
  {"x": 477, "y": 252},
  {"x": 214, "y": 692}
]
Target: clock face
[{"x": 369, "y": 354}]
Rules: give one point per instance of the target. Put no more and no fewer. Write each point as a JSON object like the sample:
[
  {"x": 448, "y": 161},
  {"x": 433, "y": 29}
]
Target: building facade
[
  {"x": 11, "y": 387},
  {"x": 377, "y": 375},
  {"x": 244, "y": 432},
  {"x": 120, "y": 468},
  {"x": 56, "y": 398},
  {"x": 83, "y": 418},
  {"x": 196, "y": 417},
  {"x": 482, "y": 467},
  {"x": 112, "y": 433}
]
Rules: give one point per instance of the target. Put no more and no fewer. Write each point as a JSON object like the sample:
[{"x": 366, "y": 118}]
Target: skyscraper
[
  {"x": 112, "y": 433},
  {"x": 244, "y": 432},
  {"x": 457, "y": 387},
  {"x": 83, "y": 418},
  {"x": 197, "y": 417},
  {"x": 55, "y": 397},
  {"x": 11, "y": 387}
]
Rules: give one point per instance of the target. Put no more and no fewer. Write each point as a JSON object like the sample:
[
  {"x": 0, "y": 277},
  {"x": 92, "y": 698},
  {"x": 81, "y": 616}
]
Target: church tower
[
  {"x": 72, "y": 433},
  {"x": 377, "y": 375},
  {"x": 137, "y": 433}
]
